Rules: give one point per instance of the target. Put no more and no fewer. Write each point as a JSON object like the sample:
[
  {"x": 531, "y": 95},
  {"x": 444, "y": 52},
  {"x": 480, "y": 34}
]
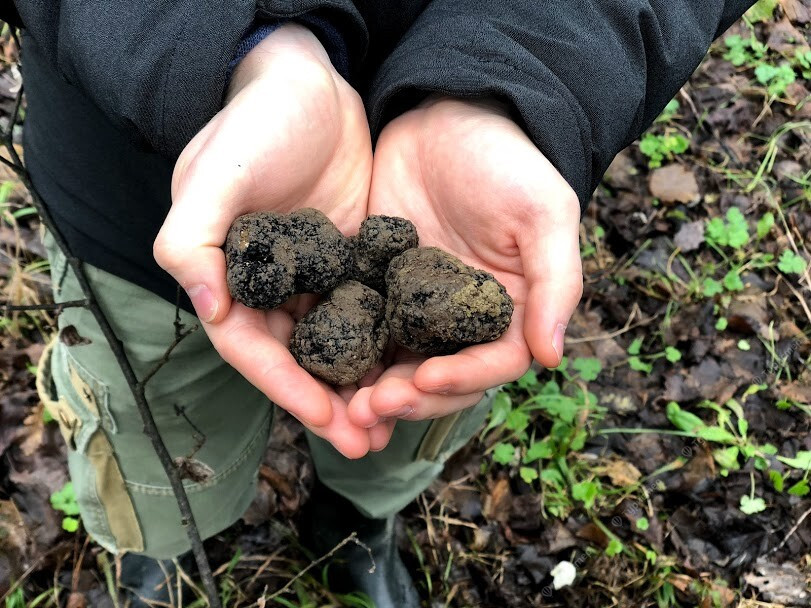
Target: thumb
[
  {"x": 552, "y": 267},
  {"x": 188, "y": 244}
]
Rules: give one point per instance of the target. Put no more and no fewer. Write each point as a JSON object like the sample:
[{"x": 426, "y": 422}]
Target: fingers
[
  {"x": 268, "y": 365},
  {"x": 395, "y": 396},
  {"x": 479, "y": 367},
  {"x": 380, "y": 435},
  {"x": 351, "y": 441},
  {"x": 188, "y": 244},
  {"x": 550, "y": 255}
]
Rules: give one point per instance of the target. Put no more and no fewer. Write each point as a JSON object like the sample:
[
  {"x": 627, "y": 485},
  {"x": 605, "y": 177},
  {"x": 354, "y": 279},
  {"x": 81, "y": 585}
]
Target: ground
[{"x": 667, "y": 460}]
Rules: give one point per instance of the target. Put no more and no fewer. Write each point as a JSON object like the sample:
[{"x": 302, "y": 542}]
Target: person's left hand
[{"x": 476, "y": 186}]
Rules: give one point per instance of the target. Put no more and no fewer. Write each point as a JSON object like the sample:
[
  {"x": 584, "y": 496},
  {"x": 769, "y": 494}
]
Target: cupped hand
[
  {"x": 292, "y": 134},
  {"x": 475, "y": 185}
]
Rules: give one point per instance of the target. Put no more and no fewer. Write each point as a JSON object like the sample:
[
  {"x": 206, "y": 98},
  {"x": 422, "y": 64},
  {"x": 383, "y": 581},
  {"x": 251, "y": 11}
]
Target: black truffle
[
  {"x": 437, "y": 305},
  {"x": 380, "y": 239},
  {"x": 342, "y": 337},
  {"x": 272, "y": 256}
]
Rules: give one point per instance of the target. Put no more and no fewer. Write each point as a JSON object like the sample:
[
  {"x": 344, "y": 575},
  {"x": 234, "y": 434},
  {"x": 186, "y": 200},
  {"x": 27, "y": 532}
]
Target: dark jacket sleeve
[
  {"x": 586, "y": 76},
  {"x": 159, "y": 67}
]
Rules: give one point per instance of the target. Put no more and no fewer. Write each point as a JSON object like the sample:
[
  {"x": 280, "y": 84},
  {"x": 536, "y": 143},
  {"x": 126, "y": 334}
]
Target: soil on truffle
[
  {"x": 381, "y": 238},
  {"x": 342, "y": 337},
  {"x": 437, "y": 304},
  {"x": 272, "y": 256}
]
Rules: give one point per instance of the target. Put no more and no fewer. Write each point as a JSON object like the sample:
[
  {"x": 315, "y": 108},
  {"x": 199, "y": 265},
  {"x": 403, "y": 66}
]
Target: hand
[
  {"x": 475, "y": 185},
  {"x": 292, "y": 134}
]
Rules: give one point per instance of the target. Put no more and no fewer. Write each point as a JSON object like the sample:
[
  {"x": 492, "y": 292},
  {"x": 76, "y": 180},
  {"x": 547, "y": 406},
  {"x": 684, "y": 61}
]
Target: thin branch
[
  {"x": 352, "y": 538},
  {"x": 165, "y": 358},
  {"x": 11, "y": 165},
  {"x": 794, "y": 528},
  {"x": 56, "y": 307},
  {"x": 136, "y": 387}
]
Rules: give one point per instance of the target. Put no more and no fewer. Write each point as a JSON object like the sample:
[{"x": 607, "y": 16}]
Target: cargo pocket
[
  {"x": 448, "y": 434},
  {"x": 105, "y": 504}
]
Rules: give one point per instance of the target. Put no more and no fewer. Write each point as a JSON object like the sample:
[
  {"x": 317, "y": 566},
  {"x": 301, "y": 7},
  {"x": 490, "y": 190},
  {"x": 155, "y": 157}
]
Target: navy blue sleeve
[{"x": 327, "y": 33}]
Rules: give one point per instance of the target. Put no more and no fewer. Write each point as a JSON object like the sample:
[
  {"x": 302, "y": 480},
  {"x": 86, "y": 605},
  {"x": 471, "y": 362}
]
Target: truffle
[
  {"x": 342, "y": 337},
  {"x": 437, "y": 305},
  {"x": 380, "y": 239},
  {"x": 272, "y": 256}
]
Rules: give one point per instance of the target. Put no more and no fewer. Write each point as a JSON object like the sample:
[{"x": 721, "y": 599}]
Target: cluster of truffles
[{"x": 378, "y": 285}]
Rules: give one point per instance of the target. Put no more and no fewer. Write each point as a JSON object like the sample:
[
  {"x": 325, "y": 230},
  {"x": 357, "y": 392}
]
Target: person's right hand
[{"x": 292, "y": 134}]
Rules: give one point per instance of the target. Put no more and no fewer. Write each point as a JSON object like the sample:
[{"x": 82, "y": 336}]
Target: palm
[{"x": 475, "y": 186}]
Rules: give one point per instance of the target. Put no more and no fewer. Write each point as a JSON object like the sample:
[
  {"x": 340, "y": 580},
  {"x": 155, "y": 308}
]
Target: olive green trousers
[{"x": 209, "y": 417}]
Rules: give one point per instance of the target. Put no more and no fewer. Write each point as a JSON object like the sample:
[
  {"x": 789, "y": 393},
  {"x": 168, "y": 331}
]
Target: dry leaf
[
  {"x": 34, "y": 426},
  {"x": 14, "y": 538},
  {"x": 690, "y": 236},
  {"x": 622, "y": 473},
  {"x": 674, "y": 183},
  {"x": 496, "y": 504},
  {"x": 796, "y": 11}
]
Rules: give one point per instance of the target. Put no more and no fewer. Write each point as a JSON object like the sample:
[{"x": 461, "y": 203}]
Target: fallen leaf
[
  {"x": 674, "y": 184},
  {"x": 690, "y": 236},
  {"x": 622, "y": 473},
  {"x": 782, "y": 583},
  {"x": 33, "y": 427},
  {"x": 796, "y": 11},
  {"x": 796, "y": 391},
  {"x": 14, "y": 537},
  {"x": 497, "y": 503},
  {"x": 785, "y": 38},
  {"x": 622, "y": 171}
]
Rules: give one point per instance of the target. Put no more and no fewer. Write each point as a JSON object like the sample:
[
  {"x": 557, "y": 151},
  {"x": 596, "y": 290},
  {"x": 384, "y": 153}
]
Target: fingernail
[
  {"x": 204, "y": 302},
  {"x": 373, "y": 424},
  {"x": 399, "y": 412},
  {"x": 442, "y": 390},
  {"x": 557, "y": 340}
]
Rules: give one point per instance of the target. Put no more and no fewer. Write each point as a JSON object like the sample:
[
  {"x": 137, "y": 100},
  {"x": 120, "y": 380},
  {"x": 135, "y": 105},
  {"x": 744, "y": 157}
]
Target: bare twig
[
  {"x": 137, "y": 388},
  {"x": 352, "y": 538},
  {"x": 165, "y": 358},
  {"x": 55, "y": 307},
  {"x": 608, "y": 336},
  {"x": 794, "y": 528}
]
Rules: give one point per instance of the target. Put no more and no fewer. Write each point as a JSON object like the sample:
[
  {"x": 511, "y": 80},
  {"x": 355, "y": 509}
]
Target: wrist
[{"x": 290, "y": 41}]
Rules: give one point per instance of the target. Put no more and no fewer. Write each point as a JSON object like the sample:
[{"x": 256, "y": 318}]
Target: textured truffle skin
[
  {"x": 272, "y": 256},
  {"x": 437, "y": 305},
  {"x": 380, "y": 239},
  {"x": 342, "y": 337}
]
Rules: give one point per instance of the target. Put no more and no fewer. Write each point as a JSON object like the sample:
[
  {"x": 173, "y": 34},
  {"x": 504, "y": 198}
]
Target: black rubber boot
[
  {"x": 146, "y": 581},
  {"x": 326, "y": 520}
]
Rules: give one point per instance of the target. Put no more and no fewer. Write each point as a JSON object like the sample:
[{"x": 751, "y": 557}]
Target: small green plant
[
  {"x": 751, "y": 504},
  {"x": 743, "y": 51},
  {"x": 732, "y": 232},
  {"x": 802, "y": 62},
  {"x": 643, "y": 363},
  {"x": 65, "y": 500},
  {"x": 761, "y": 11},
  {"x": 791, "y": 263},
  {"x": 660, "y": 147},
  {"x": 764, "y": 224},
  {"x": 540, "y": 426},
  {"x": 775, "y": 78}
]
